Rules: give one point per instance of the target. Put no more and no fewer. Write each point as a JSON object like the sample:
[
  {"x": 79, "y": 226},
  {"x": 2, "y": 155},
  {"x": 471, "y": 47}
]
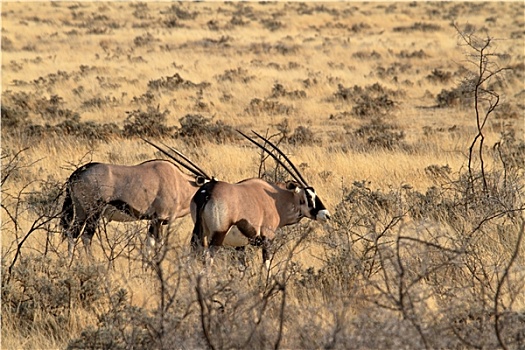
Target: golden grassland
[{"x": 103, "y": 59}]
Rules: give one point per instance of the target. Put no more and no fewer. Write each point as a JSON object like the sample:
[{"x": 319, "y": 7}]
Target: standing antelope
[
  {"x": 155, "y": 190},
  {"x": 256, "y": 207}
]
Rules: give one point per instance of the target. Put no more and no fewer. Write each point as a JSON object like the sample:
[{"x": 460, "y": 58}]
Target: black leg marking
[
  {"x": 89, "y": 232},
  {"x": 195, "y": 242},
  {"x": 154, "y": 229},
  {"x": 246, "y": 228},
  {"x": 217, "y": 238},
  {"x": 128, "y": 210},
  {"x": 75, "y": 229},
  {"x": 91, "y": 225},
  {"x": 266, "y": 252}
]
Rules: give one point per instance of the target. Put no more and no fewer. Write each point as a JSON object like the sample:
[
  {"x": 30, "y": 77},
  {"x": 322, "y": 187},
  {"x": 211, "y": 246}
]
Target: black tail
[
  {"x": 68, "y": 212},
  {"x": 67, "y": 215},
  {"x": 201, "y": 198}
]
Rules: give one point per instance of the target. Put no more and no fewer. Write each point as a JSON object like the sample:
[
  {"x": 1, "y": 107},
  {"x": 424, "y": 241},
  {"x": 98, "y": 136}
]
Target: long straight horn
[
  {"x": 305, "y": 184},
  {"x": 195, "y": 170},
  {"x": 180, "y": 154},
  {"x": 298, "y": 179}
]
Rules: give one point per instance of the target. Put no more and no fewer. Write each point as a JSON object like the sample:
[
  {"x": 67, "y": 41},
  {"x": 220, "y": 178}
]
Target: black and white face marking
[{"x": 317, "y": 210}]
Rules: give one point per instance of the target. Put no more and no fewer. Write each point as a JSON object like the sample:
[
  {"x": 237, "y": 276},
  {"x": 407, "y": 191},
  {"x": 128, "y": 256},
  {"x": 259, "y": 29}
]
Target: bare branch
[{"x": 497, "y": 316}]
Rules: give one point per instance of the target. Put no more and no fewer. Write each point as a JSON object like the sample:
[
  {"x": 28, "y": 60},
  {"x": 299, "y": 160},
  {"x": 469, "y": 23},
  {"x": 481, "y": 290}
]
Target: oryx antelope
[
  {"x": 255, "y": 206},
  {"x": 155, "y": 190}
]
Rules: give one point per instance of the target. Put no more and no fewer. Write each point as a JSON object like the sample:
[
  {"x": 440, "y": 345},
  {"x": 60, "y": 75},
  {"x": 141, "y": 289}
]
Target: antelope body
[
  {"x": 155, "y": 190},
  {"x": 255, "y": 206}
]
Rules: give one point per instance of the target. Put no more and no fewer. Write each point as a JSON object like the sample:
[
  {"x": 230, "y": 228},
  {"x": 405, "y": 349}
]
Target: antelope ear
[
  {"x": 200, "y": 180},
  {"x": 292, "y": 186}
]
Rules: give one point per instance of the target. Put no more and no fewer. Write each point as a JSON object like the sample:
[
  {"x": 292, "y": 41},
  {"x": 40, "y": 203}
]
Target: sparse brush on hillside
[{"x": 433, "y": 259}]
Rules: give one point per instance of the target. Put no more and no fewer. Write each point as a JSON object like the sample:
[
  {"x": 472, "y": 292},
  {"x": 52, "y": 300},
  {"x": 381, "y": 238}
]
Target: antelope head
[{"x": 309, "y": 203}]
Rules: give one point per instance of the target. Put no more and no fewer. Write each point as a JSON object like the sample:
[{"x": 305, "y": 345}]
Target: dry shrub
[
  {"x": 401, "y": 251},
  {"x": 141, "y": 10},
  {"x": 181, "y": 13},
  {"x": 462, "y": 95},
  {"x": 15, "y": 114},
  {"x": 52, "y": 109},
  {"x": 196, "y": 129},
  {"x": 279, "y": 91},
  {"x": 223, "y": 308},
  {"x": 224, "y": 41},
  {"x": 7, "y": 44},
  {"x": 121, "y": 327},
  {"x": 41, "y": 293},
  {"x": 272, "y": 24},
  {"x": 175, "y": 82},
  {"x": 258, "y": 107},
  {"x": 365, "y": 55},
  {"x": 392, "y": 71},
  {"x": 411, "y": 55},
  {"x": 100, "y": 102},
  {"x": 148, "y": 98},
  {"x": 511, "y": 151},
  {"x": 149, "y": 123},
  {"x": 235, "y": 75},
  {"x": 380, "y": 134},
  {"x": 302, "y": 135},
  {"x": 398, "y": 268},
  {"x": 238, "y": 21},
  {"x": 418, "y": 26},
  {"x": 371, "y": 101},
  {"x": 83, "y": 130},
  {"x": 144, "y": 40},
  {"x": 507, "y": 111},
  {"x": 279, "y": 48},
  {"x": 439, "y": 76},
  {"x": 281, "y": 67},
  {"x": 18, "y": 105},
  {"x": 173, "y": 22},
  {"x": 17, "y": 108}
]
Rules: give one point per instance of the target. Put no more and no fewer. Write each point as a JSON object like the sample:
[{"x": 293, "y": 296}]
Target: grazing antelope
[
  {"x": 155, "y": 190},
  {"x": 256, "y": 207}
]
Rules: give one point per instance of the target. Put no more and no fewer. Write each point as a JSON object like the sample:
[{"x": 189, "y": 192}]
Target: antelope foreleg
[
  {"x": 87, "y": 247},
  {"x": 87, "y": 236},
  {"x": 153, "y": 236},
  {"x": 215, "y": 242},
  {"x": 266, "y": 253},
  {"x": 72, "y": 235}
]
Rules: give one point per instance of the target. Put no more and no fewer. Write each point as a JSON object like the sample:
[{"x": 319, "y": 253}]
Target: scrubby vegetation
[{"x": 417, "y": 149}]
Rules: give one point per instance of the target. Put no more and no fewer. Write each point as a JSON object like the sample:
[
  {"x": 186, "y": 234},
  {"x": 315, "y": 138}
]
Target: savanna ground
[{"x": 408, "y": 118}]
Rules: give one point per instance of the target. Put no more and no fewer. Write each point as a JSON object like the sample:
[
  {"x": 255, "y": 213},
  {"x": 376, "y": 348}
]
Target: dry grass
[{"x": 409, "y": 261}]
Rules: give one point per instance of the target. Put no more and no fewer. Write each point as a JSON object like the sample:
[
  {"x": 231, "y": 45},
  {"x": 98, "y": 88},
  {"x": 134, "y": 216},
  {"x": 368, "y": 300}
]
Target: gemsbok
[
  {"x": 255, "y": 206},
  {"x": 155, "y": 190}
]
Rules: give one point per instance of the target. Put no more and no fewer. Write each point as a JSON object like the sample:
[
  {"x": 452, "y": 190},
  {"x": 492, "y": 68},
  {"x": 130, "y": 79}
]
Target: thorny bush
[{"x": 42, "y": 293}]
